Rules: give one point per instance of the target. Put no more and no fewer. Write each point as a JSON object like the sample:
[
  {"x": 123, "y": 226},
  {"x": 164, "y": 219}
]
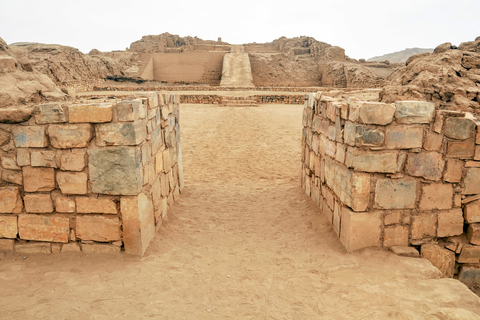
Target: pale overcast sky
[{"x": 363, "y": 28}]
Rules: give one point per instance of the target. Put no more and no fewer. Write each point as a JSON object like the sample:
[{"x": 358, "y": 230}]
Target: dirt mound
[{"x": 449, "y": 77}]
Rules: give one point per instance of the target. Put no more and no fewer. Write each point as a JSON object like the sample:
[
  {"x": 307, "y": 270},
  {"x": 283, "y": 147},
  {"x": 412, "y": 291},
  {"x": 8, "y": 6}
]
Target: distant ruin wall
[
  {"x": 90, "y": 177},
  {"x": 402, "y": 174}
]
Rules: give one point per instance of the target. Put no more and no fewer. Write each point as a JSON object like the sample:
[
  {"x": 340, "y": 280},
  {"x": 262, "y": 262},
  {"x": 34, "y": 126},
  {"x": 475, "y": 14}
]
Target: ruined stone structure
[
  {"x": 397, "y": 175},
  {"x": 96, "y": 177}
]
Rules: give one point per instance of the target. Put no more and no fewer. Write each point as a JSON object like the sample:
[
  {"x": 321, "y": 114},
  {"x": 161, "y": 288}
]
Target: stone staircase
[{"x": 229, "y": 101}]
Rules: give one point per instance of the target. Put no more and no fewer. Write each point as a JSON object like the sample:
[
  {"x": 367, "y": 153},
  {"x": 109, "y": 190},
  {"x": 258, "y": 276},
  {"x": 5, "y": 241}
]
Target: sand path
[{"x": 243, "y": 242}]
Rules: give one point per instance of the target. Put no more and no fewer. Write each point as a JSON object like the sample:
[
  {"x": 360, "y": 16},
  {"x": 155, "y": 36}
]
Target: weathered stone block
[
  {"x": 453, "y": 173},
  {"x": 450, "y": 223},
  {"x": 92, "y": 113},
  {"x": 96, "y": 205},
  {"x": 369, "y": 161},
  {"x": 414, "y": 111},
  {"x": 8, "y": 227},
  {"x": 477, "y": 153},
  {"x": 472, "y": 212},
  {"x": 29, "y": 136},
  {"x": 405, "y": 251},
  {"x": 12, "y": 176},
  {"x": 428, "y": 165},
  {"x": 38, "y": 179},
  {"x": 441, "y": 258},
  {"x": 138, "y": 223},
  {"x": 38, "y": 203},
  {"x": 121, "y": 134},
  {"x": 72, "y": 182},
  {"x": 424, "y": 226},
  {"x": 395, "y": 194},
  {"x": 469, "y": 254},
  {"x": 336, "y": 218},
  {"x": 360, "y": 229},
  {"x": 473, "y": 233},
  {"x": 98, "y": 228},
  {"x": 9, "y": 162},
  {"x": 461, "y": 149},
  {"x": 471, "y": 182},
  {"x": 366, "y": 136},
  {"x": 64, "y": 204},
  {"x": 10, "y": 200},
  {"x": 469, "y": 275},
  {"x": 377, "y": 113},
  {"x": 395, "y": 236},
  {"x": 433, "y": 141},
  {"x": 49, "y": 113},
  {"x": 339, "y": 155},
  {"x": 130, "y": 110},
  {"x": 403, "y": 137},
  {"x": 23, "y": 157},
  {"x": 73, "y": 161},
  {"x": 43, "y": 228},
  {"x": 115, "y": 171},
  {"x": 43, "y": 158},
  {"x": 459, "y": 128},
  {"x": 393, "y": 217},
  {"x": 70, "y": 135},
  {"x": 436, "y": 196}
]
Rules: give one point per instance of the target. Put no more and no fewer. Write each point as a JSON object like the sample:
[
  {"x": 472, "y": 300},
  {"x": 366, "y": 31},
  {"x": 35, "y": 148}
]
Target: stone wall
[
  {"x": 90, "y": 177},
  {"x": 397, "y": 175}
]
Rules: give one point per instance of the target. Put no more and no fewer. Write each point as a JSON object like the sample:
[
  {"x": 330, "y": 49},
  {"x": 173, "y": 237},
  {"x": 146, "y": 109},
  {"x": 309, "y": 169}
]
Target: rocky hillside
[{"x": 400, "y": 56}]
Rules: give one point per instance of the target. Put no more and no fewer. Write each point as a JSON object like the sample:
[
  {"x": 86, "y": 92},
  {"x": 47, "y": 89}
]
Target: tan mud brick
[
  {"x": 331, "y": 133},
  {"x": 121, "y": 134},
  {"x": 395, "y": 236},
  {"x": 72, "y": 182},
  {"x": 23, "y": 157},
  {"x": 459, "y": 128},
  {"x": 340, "y": 155},
  {"x": 369, "y": 161},
  {"x": 395, "y": 194},
  {"x": 433, "y": 141},
  {"x": 43, "y": 227},
  {"x": 436, "y": 196},
  {"x": 414, "y": 111},
  {"x": 138, "y": 223},
  {"x": 330, "y": 148},
  {"x": 98, "y": 228},
  {"x": 44, "y": 159},
  {"x": 453, "y": 172},
  {"x": 471, "y": 182},
  {"x": 450, "y": 223},
  {"x": 96, "y": 205},
  {"x": 29, "y": 137},
  {"x": 64, "y": 204},
  {"x": 12, "y": 176},
  {"x": 73, "y": 161},
  {"x": 49, "y": 113},
  {"x": 441, "y": 258},
  {"x": 477, "y": 153},
  {"x": 377, "y": 113},
  {"x": 9, "y": 162},
  {"x": 469, "y": 254},
  {"x": 7, "y": 245},
  {"x": 33, "y": 247},
  {"x": 167, "y": 163},
  {"x": 472, "y": 212},
  {"x": 8, "y": 226},
  {"x": 10, "y": 200},
  {"x": 393, "y": 217},
  {"x": 93, "y": 113},
  {"x": 130, "y": 110},
  {"x": 70, "y": 135},
  {"x": 360, "y": 229},
  {"x": 461, "y": 149},
  {"x": 424, "y": 226},
  {"x": 473, "y": 233},
  {"x": 428, "y": 165},
  {"x": 100, "y": 248},
  {"x": 38, "y": 203},
  {"x": 403, "y": 137}
]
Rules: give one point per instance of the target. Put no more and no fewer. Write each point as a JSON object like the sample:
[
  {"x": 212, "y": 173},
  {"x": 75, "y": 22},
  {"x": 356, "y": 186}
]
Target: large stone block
[
  {"x": 138, "y": 223},
  {"x": 453, "y": 173},
  {"x": 131, "y": 110},
  {"x": 450, "y": 223},
  {"x": 414, "y": 111},
  {"x": 8, "y": 226},
  {"x": 377, "y": 113},
  {"x": 436, "y": 196},
  {"x": 72, "y": 182},
  {"x": 70, "y": 135},
  {"x": 360, "y": 229},
  {"x": 38, "y": 179},
  {"x": 115, "y": 171},
  {"x": 366, "y": 136},
  {"x": 96, "y": 205},
  {"x": 10, "y": 200},
  {"x": 44, "y": 158},
  {"x": 428, "y": 165},
  {"x": 459, "y": 128},
  {"x": 473, "y": 233},
  {"x": 395, "y": 194},
  {"x": 43, "y": 228},
  {"x": 403, "y": 137},
  {"x": 49, "y": 113},
  {"x": 471, "y": 182},
  {"x": 441, "y": 258},
  {"x": 121, "y": 134},
  {"x": 395, "y": 236},
  {"x": 472, "y": 212},
  {"x": 461, "y": 149},
  {"x": 371, "y": 161},
  {"x": 424, "y": 226},
  {"x": 38, "y": 203},
  {"x": 29, "y": 136},
  {"x": 12, "y": 176},
  {"x": 90, "y": 113},
  {"x": 98, "y": 228}
]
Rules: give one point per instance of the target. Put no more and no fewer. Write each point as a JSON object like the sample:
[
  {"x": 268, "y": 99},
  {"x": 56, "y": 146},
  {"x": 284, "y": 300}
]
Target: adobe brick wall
[
  {"x": 90, "y": 177},
  {"x": 402, "y": 174}
]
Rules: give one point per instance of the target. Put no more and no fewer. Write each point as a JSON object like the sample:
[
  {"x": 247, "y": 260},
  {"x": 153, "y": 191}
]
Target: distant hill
[{"x": 400, "y": 56}]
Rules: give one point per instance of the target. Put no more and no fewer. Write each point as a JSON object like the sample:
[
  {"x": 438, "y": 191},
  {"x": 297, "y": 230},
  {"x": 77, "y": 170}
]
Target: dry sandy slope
[{"x": 244, "y": 242}]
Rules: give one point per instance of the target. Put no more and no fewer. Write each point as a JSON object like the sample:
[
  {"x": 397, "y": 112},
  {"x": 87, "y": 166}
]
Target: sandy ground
[{"x": 243, "y": 242}]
